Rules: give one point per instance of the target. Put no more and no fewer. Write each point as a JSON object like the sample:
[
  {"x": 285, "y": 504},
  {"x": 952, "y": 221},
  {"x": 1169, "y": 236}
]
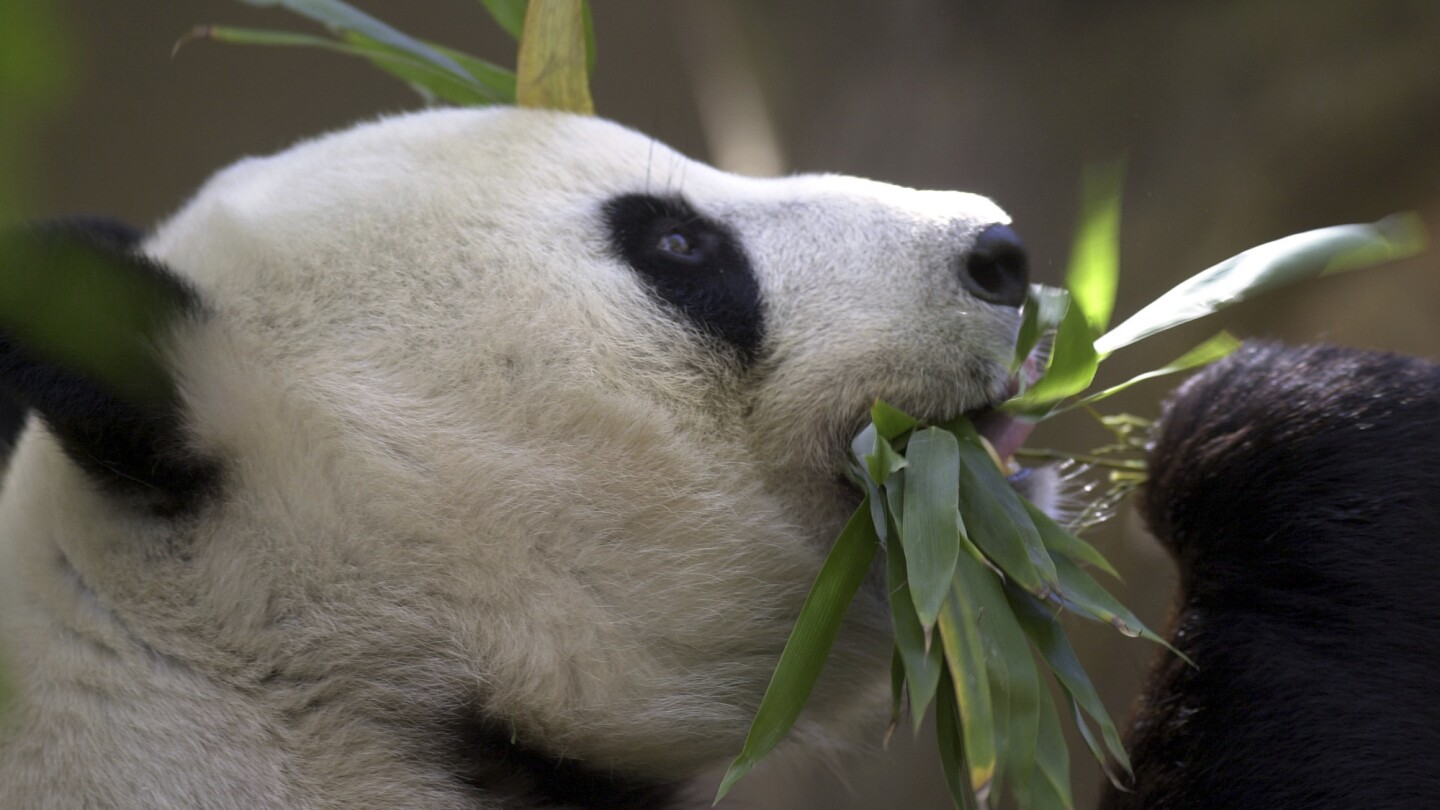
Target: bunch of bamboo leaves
[
  {"x": 977, "y": 576},
  {"x": 556, "y": 56}
]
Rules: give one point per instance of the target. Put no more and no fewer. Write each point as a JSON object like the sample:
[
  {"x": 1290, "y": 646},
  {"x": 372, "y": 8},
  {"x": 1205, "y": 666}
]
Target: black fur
[
  {"x": 714, "y": 286},
  {"x": 78, "y": 345},
  {"x": 498, "y": 765},
  {"x": 12, "y": 421},
  {"x": 1299, "y": 492}
]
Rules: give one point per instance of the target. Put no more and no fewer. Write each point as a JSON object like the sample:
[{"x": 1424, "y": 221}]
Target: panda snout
[{"x": 995, "y": 268}]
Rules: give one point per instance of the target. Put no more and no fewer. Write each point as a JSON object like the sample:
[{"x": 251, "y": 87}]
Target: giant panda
[
  {"x": 1298, "y": 491},
  {"x": 463, "y": 459}
]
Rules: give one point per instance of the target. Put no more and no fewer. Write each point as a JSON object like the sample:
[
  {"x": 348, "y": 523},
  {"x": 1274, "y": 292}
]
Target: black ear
[{"x": 82, "y": 314}]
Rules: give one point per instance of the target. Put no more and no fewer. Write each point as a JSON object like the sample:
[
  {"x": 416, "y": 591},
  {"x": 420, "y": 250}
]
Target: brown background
[{"x": 1242, "y": 120}]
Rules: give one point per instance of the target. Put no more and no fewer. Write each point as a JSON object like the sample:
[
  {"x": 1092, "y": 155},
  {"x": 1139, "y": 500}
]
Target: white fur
[{"x": 468, "y": 459}]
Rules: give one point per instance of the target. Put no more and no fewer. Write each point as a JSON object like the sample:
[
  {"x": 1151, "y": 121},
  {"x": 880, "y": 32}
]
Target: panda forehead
[
  {"x": 597, "y": 157},
  {"x": 553, "y": 162}
]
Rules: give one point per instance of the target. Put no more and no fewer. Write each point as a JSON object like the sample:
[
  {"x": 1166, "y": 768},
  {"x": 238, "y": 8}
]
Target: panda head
[{"x": 509, "y": 420}]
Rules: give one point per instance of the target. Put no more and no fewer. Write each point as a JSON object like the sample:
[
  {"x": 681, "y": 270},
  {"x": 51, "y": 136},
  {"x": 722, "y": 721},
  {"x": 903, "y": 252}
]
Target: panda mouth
[{"x": 1004, "y": 433}]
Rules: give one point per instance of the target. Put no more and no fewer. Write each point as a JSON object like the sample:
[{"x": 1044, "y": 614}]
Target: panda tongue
[
  {"x": 1007, "y": 434},
  {"x": 1004, "y": 433}
]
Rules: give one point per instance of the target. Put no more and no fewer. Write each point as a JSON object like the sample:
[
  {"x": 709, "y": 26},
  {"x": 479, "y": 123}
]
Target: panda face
[
  {"x": 527, "y": 422},
  {"x": 525, "y": 257}
]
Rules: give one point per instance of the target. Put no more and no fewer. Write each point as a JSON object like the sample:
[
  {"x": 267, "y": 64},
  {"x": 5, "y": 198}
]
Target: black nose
[{"x": 995, "y": 269}]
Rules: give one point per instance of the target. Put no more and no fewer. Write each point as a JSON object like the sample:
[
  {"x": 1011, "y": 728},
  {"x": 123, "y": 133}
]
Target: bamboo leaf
[
  {"x": 895, "y": 500},
  {"x": 1094, "y": 273},
  {"x": 553, "y": 65},
  {"x": 1208, "y": 352},
  {"x": 1294, "y": 258},
  {"x": 88, "y": 310},
  {"x": 922, "y": 667},
  {"x": 1073, "y": 362},
  {"x": 1014, "y": 680},
  {"x": 869, "y": 473},
  {"x": 1050, "y": 780},
  {"x": 1082, "y": 595},
  {"x": 510, "y": 14},
  {"x": 996, "y": 519},
  {"x": 891, "y": 421},
  {"x": 1044, "y": 309},
  {"x": 810, "y": 640},
  {"x": 949, "y": 735},
  {"x": 883, "y": 461},
  {"x": 1061, "y": 543},
  {"x": 897, "y": 692},
  {"x": 496, "y": 83},
  {"x": 590, "y": 51},
  {"x": 1088, "y": 735},
  {"x": 1048, "y": 636},
  {"x": 965, "y": 656},
  {"x": 339, "y": 17},
  {"x": 488, "y": 85},
  {"x": 930, "y": 523}
]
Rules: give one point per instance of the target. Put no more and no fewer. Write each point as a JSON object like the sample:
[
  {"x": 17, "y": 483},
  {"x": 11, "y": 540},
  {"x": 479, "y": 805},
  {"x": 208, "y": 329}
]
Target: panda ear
[{"x": 82, "y": 317}]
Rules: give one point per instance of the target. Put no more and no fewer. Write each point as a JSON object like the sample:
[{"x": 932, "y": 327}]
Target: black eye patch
[{"x": 691, "y": 263}]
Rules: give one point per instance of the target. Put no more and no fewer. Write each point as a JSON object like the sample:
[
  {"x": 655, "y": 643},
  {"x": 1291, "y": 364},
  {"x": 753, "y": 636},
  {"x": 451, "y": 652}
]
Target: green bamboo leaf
[
  {"x": 491, "y": 85},
  {"x": 1215, "y": 348},
  {"x": 995, "y": 516},
  {"x": 1050, "y": 779},
  {"x": 494, "y": 83},
  {"x": 1072, "y": 366},
  {"x": 809, "y": 644},
  {"x": 1294, "y": 258},
  {"x": 1062, "y": 543},
  {"x": 895, "y": 500},
  {"x": 872, "y": 457},
  {"x": 258, "y": 36},
  {"x": 965, "y": 658},
  {"x": 949, "y": 735},
  {"x": 897, "y": 692},
  {"x": 930, "y": 522},
  {"x": 590, "y": 51},
  {"x": 431, "y": 82},
  {"x": 1044, "y": 309},
  {"x": 510, "y": 14},
  {"x": 1094, "y": 273},
  {"x": 922, "y": 667},
  {"x": 1082, "y": 595},
  {"x": 864, "y": 445},
  {"x": 1087, "y": 734},
  {"x": 890, "y": 420},
  {"x": 339, "y": 17},
  {"x": 1014, "y": 679},
  {"x": 1048, "y": 636},
  {"x": 883, "y": 462},
  {"x": 88, "y": 311},
  {"x": 553, "y": 68}
]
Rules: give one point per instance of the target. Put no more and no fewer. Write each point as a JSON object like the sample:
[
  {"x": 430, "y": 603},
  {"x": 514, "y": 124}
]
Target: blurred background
[{"x": 1241, "y": 121}]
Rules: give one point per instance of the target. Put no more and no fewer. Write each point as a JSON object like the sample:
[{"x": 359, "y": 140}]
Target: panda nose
[{"x": 995, "y": 269}]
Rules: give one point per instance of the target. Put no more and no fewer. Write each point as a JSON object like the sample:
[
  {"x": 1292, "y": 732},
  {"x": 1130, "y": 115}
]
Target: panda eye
[
  {"x": 694, "y": 265},
  {"x": 676, "y": 244}
]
